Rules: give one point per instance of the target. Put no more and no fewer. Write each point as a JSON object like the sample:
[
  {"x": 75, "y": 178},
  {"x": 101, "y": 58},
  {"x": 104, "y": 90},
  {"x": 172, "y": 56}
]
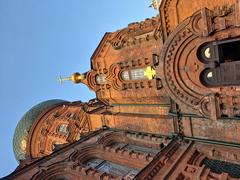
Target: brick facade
[{"x": 172, "y": 124}]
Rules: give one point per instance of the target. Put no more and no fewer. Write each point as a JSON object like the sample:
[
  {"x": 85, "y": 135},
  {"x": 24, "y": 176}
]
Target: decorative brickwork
[{"x": 167, "y": 103}]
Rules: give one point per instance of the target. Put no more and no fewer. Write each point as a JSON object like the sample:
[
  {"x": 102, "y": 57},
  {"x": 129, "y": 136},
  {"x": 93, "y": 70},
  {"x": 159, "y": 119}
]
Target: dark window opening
[
  {"x": 229, "y": 51},
  {"x": 218, "y": 52},
  {"x": 220, "y": 167},
  {"x": 222, "y": 61},
  {"x": 159, "y": 83},
  {"x": 55, "y": 144},
  {"x": 155, "y": 58},
  {"x": 56, "y": 114},
  {"x": 227, "y": 74},
  {"x": 207, "y": 53},
  {"x": 208, "y": 78},
  {"x": 162, "y": 146}
]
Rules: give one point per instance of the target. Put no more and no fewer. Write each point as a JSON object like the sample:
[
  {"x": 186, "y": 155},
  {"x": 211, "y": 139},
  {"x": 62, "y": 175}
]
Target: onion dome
[{"x": 24, "y": 125}]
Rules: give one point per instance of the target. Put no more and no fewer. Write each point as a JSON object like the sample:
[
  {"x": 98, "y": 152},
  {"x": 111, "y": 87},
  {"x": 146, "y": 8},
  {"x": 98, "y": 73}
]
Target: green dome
[{"x": 25, "y": 124}]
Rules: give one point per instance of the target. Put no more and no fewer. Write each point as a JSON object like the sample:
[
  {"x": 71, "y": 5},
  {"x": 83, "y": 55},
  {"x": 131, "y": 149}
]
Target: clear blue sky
[{"x": 42, "y": 39}]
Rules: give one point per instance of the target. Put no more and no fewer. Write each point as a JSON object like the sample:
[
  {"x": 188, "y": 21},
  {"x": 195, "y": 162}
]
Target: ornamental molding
[
  {"x": 179, "y": 60},
  {"x": 136, "y": 33}
]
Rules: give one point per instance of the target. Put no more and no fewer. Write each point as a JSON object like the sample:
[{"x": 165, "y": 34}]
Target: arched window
[
  {"x": 227, "y": 74},
  {"x": 220, "y": 167},
  {"x": 63, "y": 129},
  {"x": 112, "y": 168},
  {"x": 134, "y": 74},
  {"x": 209, "y": 78},
  {"x": 222, "y": 61},
  {"x": 137, "y": 74}
]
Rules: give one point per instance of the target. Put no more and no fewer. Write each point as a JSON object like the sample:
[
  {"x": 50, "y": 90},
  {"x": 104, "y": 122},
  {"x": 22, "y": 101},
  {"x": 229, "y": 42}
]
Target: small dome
[{"x": 25, "y": 124}]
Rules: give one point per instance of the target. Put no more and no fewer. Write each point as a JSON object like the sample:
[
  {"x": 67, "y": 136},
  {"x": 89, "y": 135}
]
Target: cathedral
[{"x": 167, "y": 103}]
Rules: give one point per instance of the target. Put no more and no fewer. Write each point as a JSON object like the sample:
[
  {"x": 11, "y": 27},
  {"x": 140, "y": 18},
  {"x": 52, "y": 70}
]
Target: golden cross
[{"x": 149, "y": 72}]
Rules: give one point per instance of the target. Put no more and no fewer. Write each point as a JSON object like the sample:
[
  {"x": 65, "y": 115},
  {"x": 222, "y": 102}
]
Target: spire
[{"x": 75, "y": 78}]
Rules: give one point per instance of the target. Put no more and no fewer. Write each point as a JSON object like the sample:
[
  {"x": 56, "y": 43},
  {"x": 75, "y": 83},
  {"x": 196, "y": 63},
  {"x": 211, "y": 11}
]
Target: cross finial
[
  {"x": 149, "y": 72},
  {"x": 61, "y": 80},
  {"x": 155, "y": 4},
  {"x": 76, "y": 78}
]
